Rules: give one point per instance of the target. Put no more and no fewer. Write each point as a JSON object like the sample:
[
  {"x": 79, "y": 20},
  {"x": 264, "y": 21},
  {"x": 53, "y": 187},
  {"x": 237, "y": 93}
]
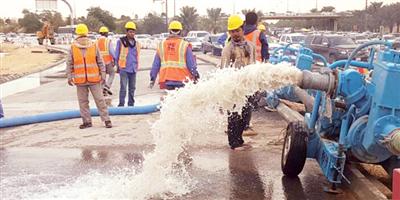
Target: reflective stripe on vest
[
  {"x": 172, "y": 52},
  {"x": 254, "y": 37},
  {"x": 85, "y": 69},
  {"x": 103, "y": 44},
  {"x": 123, "y": 55}
]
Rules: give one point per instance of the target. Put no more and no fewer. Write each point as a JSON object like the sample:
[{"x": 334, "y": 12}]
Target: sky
[{"x": 13, "y": 8}]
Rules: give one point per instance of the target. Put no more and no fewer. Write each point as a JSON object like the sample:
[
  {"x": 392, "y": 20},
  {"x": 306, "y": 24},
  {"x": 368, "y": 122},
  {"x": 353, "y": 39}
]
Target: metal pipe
[
  {"x": 288, "y": 114},
  {"x": 342, "y": 63},
  {"x": 314, "y": 114},
  {"x": 371, "y": 43},
  {"x": 305, "y": 98},
  {"x": 317, "y": 81}
]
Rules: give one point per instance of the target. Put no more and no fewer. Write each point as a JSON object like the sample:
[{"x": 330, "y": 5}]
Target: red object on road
[{"x": 396, "y": 184}]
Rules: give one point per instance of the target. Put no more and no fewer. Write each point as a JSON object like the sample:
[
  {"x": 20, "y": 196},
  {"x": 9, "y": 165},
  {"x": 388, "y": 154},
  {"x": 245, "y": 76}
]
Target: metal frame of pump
[{"x": 353, "y": 116}]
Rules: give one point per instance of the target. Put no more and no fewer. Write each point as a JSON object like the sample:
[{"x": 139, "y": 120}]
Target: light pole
[
  {"x": 72, "y": 12},
  {"x": 366, "y": 16},
  {"x": 166, "y": 11}
]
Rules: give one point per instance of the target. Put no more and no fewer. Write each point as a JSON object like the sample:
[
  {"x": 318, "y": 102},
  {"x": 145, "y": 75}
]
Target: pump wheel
[{"x": 294, "y": 150}]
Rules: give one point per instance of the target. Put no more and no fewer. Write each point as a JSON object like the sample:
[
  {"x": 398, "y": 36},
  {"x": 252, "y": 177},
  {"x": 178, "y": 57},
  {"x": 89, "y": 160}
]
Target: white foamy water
[{"x": 194, "y": 109}]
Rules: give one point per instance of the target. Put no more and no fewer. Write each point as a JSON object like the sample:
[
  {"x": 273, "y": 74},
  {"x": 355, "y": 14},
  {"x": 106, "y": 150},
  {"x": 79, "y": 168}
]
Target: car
[
  {"x": 334, "y": 47},
  {"x": 144, "y": 40},
  {"x": 293, "y": 38},
  {"x": 198, "y": 34},
  {"x": 360, "y": 39},
  {"x": 195, "y": 42},
  {"x": 208, "y": 42}
]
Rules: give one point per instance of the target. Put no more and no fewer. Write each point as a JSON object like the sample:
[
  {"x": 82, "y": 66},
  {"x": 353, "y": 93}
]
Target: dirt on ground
[{"x": 19, "y": 61}]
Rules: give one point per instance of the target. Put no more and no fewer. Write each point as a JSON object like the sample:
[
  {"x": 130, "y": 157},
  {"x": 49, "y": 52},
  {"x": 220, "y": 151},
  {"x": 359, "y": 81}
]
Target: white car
[
  {"x": 144, "y": 40},
  {"x": 198, "y": 34},
  {"x": 195, "y": 42},
  {"x": 293, "y": 38}
]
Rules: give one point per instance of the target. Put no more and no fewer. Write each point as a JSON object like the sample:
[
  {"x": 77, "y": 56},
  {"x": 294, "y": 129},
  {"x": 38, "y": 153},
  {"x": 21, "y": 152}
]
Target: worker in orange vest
[
  {"x": 174, "y": 61},
  {"x": 253, "y": 35},
  {"x": 86, "y": 70},
  {"x": 127, "y": 54},
  {"x": 107, "y": 52}
]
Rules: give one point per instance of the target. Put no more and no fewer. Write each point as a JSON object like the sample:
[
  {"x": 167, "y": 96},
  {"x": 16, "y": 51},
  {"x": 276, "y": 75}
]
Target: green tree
[
  {"x": 328, "y": 9},
  {"x": 153, "y": 24},
  {"x": 259, "y": 13},
  {"x": 96, "y": 14},
  {"x": 30, "y": 22},
  {"x": 55, "y": 18},
  {"x": 188, "y": 17},
  {"x": 93, "y": 23},
  {"x": 314, "y": 10},
  {"x": 214, "y": 17}
]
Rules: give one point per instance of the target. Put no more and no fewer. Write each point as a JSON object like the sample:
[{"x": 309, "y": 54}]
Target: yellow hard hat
[
  {"x": 81, "y": 29},
  {"x": 103, "y": 29},
  {"x": 261, "y": 27},
  {"x": 175, "y": 25},
  {"x": 130, "y": 25},
  {"x": 234, "y": 22}
]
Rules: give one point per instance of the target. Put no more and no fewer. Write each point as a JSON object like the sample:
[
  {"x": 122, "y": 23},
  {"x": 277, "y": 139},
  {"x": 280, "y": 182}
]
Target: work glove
[
  {"x": 151, "y": 85},
  {"x": 70, "y": 82}
]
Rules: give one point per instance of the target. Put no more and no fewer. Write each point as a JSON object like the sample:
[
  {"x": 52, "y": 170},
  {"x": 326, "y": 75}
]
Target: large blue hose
[{"x": 48, "y": 117}]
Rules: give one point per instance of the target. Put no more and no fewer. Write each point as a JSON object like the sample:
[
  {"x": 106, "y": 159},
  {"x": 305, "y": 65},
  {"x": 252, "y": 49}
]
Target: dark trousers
[
  {"x": 127, "y": 80},
  {"x": 238, "y": 123}
]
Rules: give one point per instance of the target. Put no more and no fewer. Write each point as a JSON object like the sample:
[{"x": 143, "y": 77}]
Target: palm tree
[
  {"x": 259, "y": 13},
  {"x": 214, "y": 14},
  {"x": 188, "y": 17}
]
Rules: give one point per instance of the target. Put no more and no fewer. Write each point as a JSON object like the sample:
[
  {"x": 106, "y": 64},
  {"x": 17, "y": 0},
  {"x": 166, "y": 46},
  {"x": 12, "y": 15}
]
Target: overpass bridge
[{"x": 331, "y": 17}]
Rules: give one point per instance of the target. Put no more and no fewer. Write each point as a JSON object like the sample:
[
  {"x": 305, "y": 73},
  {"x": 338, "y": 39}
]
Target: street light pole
[
  {"x": 70, "y": 9},
  {"x": 166, "y": 11},
  {"x": 166, "y": 14},
  {"x": 366, "y": 16}
]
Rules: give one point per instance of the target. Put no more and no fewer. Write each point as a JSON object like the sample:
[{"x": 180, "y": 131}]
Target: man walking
[
  {"x": 85, "y": 69},
  {"x": 174, "y": 61},
  {"x": 106, "y": 51},
  {"x": 127, "y": 60},
  {"x": 238, "y": 53}
]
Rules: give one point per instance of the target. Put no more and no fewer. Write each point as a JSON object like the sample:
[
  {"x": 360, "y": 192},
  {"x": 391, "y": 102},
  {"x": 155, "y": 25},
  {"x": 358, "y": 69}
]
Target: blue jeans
[{"x": 127, "y": 79}]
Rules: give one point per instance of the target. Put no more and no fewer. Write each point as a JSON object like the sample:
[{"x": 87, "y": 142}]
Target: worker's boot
[
  {"x": 85, "y": 125},
  {"x": 235, "y": 131},
  {"x": 108, "y": 124}
]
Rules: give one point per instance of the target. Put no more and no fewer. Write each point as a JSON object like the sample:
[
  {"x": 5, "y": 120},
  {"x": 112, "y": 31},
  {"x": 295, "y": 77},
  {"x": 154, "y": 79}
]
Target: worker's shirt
[
  {"x": 238, "y": 54},
  {"x": 190, "y": 64},
  {"x": 263, "y": 39},
  {"x": 131, "y": 60}
]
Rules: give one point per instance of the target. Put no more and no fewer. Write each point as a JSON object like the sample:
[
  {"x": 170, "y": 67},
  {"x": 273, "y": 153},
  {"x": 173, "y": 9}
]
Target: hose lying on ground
[{"x": 55, "y": 116}]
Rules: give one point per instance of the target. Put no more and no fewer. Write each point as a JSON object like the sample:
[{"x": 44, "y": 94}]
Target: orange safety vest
[
  {"x": 85, "y": 69},
  {"x": 254, "y": 37},
  {"x": 123, "y": 55},
  {"x": 103, "y": 44},
  {"x": 172, "y": 52}
]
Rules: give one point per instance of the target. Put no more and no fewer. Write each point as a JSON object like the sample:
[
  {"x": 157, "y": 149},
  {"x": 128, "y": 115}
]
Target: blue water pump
[{"x": 353, "y": 117}]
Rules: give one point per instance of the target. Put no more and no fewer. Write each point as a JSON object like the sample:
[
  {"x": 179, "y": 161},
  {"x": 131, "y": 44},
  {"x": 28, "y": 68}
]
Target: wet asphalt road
[{"x": 220, "y": 173}]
